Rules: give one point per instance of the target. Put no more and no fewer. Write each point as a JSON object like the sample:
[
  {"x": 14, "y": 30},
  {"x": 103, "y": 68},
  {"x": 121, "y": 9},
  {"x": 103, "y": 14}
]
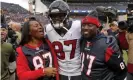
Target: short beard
[{"x": 90, "y": 37}]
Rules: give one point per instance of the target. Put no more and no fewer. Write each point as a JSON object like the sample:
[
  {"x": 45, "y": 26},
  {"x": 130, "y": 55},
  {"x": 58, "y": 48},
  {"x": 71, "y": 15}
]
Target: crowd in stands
[
  {"x": 17, "y": 14},
  {"x": 13, "y": 8},
  {"x": 92, "y": 6}
]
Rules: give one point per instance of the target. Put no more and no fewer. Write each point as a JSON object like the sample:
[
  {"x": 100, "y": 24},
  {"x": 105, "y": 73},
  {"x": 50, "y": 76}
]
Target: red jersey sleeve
[{"x": 23, "y": 70}]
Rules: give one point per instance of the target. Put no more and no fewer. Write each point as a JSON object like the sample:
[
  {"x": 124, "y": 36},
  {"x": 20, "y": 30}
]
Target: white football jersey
[{"x": 67, "y": 48}]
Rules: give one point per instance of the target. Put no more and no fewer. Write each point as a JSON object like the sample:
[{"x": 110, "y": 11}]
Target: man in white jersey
[{"x": 64, "y": 36}]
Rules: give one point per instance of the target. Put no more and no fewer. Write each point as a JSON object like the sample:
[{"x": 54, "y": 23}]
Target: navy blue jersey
[
  {"x": 39, "y": 57},
  {"x": 102, "y": 59}
]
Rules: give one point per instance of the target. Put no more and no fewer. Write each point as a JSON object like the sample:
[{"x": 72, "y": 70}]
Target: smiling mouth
[
  {"x": 41, "y": 31},
  {"x": 85, "y": 32}
]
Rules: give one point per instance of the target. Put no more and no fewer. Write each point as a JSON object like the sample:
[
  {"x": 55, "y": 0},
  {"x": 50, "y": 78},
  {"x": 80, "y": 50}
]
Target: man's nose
[{"x": 40, "y": 27}]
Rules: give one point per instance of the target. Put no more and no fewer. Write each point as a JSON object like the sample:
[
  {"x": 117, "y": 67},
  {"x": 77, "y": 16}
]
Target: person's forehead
[
  {"x": 33, "y": 22},
  {"x": 113, "y": 25}
]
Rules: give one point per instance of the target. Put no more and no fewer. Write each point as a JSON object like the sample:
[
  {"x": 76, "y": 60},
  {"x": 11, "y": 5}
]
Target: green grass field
[{"x": 125, "y": 56}]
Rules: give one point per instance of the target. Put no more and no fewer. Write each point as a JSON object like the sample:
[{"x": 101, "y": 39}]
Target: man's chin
[
  {"x": 3, "y": 39},
  {"x": 86, "y": 36}
]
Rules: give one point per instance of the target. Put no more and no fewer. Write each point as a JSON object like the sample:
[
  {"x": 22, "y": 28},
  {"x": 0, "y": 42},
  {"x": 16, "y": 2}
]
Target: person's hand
[
  {"x": 104, "y": 31},
  {"x": 50, "y": 71}
]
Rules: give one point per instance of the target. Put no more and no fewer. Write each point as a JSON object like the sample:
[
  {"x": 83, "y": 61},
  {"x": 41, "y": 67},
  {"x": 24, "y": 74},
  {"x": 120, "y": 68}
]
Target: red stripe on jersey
[
  {"x": 130, "y": 68},
  {"x": 108, "y": 53},
  {"x": 54, "y": 58}
]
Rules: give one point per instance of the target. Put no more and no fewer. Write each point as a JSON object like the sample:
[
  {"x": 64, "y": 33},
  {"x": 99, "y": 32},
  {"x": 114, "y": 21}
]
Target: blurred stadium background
[{"x": 79, "y": 8}]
